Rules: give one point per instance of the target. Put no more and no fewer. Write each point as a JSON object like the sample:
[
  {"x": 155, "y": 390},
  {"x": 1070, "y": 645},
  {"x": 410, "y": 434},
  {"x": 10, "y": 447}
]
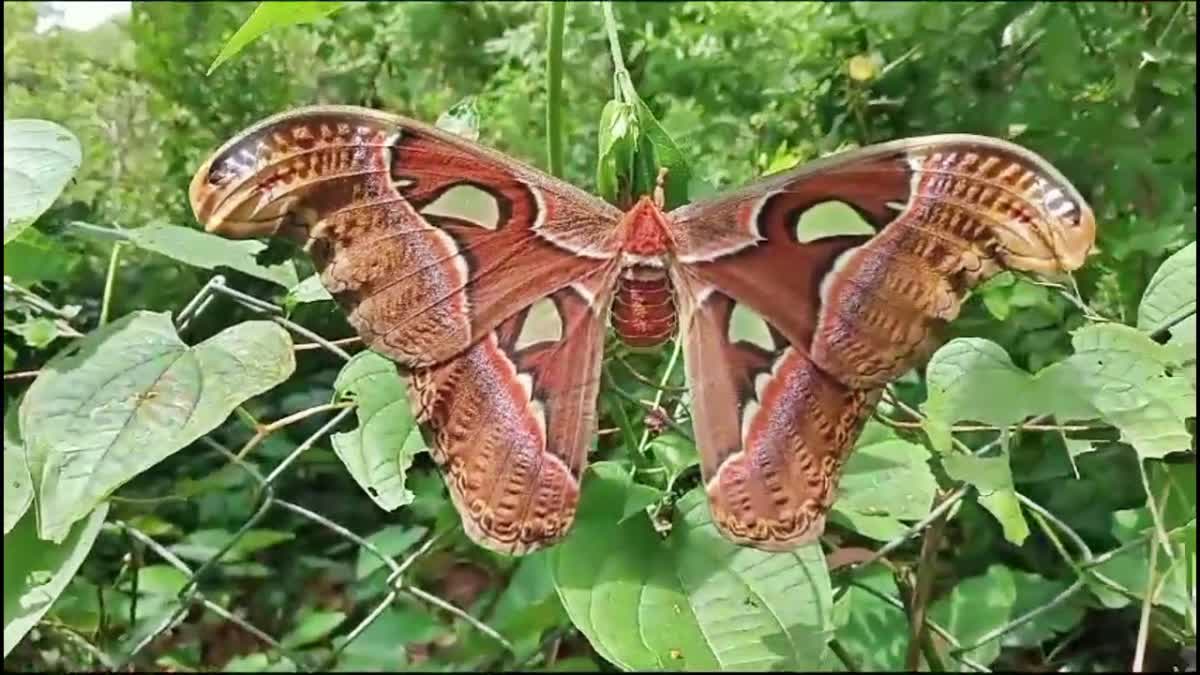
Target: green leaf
[
  {"x": 313, "y": 626},
  {"x": 158, "y": 580},
  {"x": 658, "y": 150},
  {"x": 675, "y": 452},
  {"x": 1177, "y": 483},
  {"x": 391, "y": 541},
  {"x": 10, "y": 357},
  {"x": 1125, "y": 375},
  {"x": 976, "y": 606},
  {"x": 253, "y": 541},
  {"x": 884, "y": 482},
  {"x": 691, "y": 601},
  {"x": 208, "y": 251},
  {"x": 1004, "y": 506},
  {"x": 381, "y": 646},
  {"x": 378, "y": 453},
  {"x": 268, "y": 16},
  {"x": 461, "y": 119},
  {"x": 992, "y": 477},
  {"x": 974, "y": 379},
  {"x": 309, "y": 290},
  {"x": 39, "y": 158},
  {"x": 618, "y": 136},
  {"x": 874, "y": 631},
  {"x": 988, "y": 474},
  {"x": 1171, "y": 294},
  {"x": 34, "y": 256},
  {"x": 37, "y": 333},
  {"x": 1034, "y": 591},
  {"x": 18, "y": 486},
  {"x": 1117, "y": 374},
  {"x": 37, "y": 571},
  {"x": 1175, "y": 570},
  {"x": 200, "y": 545},
  {"x": 127, "y": 396}
]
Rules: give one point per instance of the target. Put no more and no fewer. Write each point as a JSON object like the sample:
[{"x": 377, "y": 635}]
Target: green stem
[
  {"x": 622, "y": 84},
  {"x": 554, "y": 51},
  {"x": 109, "y": 281}
]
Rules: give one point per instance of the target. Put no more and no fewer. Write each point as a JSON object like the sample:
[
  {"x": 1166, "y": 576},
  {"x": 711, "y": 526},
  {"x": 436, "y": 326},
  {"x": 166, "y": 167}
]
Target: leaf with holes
[
  {"x": 378, "y": 453},
  {"x": 37, "y": 571},
  {"x": 39, "y": 158},
  {"x": 127, "y": 396},
  {"x": 692, "y": 601}
]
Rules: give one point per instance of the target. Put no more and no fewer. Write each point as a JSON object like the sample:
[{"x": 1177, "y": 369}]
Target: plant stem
[
  {"x": 554, "y": 51},
  {"x": 920, "y": 598},
  {"x": 109, "y": 281}
]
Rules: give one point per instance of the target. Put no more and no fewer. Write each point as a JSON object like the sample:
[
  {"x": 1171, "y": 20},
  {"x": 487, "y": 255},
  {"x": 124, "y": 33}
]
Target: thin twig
[
  {"x": 1143, "y": 634},
  {"x": 268, "y": 429},
  {"x": 22, "y": 374},
  {"x": 926, "y": 568}
]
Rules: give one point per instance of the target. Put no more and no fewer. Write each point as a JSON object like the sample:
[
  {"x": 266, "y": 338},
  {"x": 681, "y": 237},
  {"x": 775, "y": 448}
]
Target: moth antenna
[{"x": 660, "y": 187}]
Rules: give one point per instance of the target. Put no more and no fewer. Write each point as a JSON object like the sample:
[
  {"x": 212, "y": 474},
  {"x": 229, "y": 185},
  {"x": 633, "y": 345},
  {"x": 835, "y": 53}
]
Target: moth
[{"x": 797, "y": 298}]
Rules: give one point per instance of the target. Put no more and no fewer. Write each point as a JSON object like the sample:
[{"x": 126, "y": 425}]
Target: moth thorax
[{"x": 643, "y": 312}]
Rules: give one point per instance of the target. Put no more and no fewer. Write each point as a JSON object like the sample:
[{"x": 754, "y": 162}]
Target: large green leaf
[
  {"x": 884, "y": 483},
  {"x": 691, "y": 601},
  {"x": 1117, "y": 374},
  {"x": 874, "y": 631},
  {"x": 208, "y": 251},
  {"x": 974, "y": 379},
  {"x": 37, "y": 571},
  {"x": 976, "y": 606},
  {"x": 271, "y": 15},
  {"x": 1171, "y": 294},
  {"x": 1125, "y": 375},
  {"x": 379, "y": 451},
  {"x": 130, "y": 394},
  {"x": 39, "y": 158}
]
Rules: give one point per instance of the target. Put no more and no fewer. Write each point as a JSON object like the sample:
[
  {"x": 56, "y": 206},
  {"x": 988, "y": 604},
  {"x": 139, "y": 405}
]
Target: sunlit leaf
[
  {"x": 39, "y": 158},
  {"x": 208, "y": 251},
  {"x": 37, "y": 571},
  {"x": 130, "y": 394},
  {"x": 692, "y": 601},
  {"x": 379, "y": 451},
  {"x": 1171, "y": 294}
]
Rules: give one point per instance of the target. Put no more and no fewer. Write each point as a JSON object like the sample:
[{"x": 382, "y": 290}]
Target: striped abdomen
[{"x": 643, "y": 312}]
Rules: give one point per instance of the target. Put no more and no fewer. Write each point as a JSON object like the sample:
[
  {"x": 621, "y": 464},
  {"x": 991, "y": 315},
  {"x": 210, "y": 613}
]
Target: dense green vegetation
[{"x": 1047, "y": 452}]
